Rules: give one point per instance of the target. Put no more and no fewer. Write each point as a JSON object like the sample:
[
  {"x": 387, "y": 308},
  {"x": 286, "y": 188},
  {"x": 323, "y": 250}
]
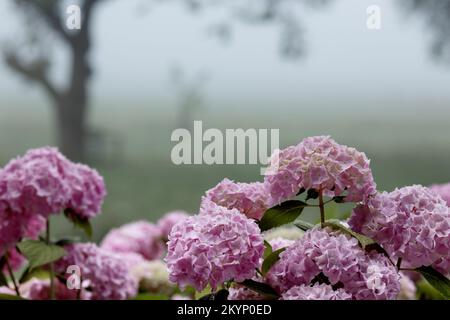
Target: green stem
[
  {"x": 322, "y": 209},
  {"x": 11, "y": 274},
  {"x": 52, "y": 270}
]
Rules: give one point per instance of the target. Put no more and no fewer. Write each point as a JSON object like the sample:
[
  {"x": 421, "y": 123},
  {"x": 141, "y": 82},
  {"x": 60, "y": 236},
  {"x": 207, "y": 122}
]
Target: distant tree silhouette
[
  {"x": 436, "y": 14},
  {"x": 71, "y": 100}
]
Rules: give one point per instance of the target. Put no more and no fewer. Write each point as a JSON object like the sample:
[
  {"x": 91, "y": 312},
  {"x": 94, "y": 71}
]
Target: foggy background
[{"x": 158, "y": 65}]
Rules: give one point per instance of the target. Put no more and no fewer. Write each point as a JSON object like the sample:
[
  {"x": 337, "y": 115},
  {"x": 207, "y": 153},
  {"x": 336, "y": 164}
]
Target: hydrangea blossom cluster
[
  {"x": 315, "y": 292},
  {"x": 321, "y": 253},
  {"x": 214, "y": 247},
  {"x": 443, "y": 190},
  {"x": 139, "y": 237},
  {"x": 152, "y": 276},
  {"x": 40, "y": 183},
  {"x": 106, "y": 275},
  {"x": 39, "y": 289},
  {"x": 252, "y": 199},
  {"x": 412, "y": 223},
  {"x": 320, "y": 163},
  {"x": 166, "y": 223},
  {"x": 289, "y": 233}
]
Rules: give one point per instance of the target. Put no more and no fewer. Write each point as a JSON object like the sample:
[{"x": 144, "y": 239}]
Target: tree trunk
[{"x": 71, "y": 128}]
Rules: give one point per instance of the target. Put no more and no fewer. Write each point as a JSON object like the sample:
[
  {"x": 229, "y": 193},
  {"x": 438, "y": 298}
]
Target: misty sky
[{"x": 136, "y": 45}]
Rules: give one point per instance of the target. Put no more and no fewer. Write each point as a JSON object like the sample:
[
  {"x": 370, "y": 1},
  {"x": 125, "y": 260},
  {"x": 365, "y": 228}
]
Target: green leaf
[
  {"x": 39, "y": 253},
  {"x": 339, "y": 199},
  {"x": 282, "y": 214},
  {"x": 4, "y": 296},
  {"x": 150, "y": 296},
  {"x": 437, "y": 280},
  {"x": 221, "y": 295},
  {"x": 270, "y": 260},
  {"x": 82, "y": 224},
  {"x": 364, "y": 241},
  {"x": 303, "y": 225},
  {"x": 312, "y": 194},
  {"x": 38, "y": 273},
  {"x": 261, "y": 288},
  {"x": 267, "y": 250}
]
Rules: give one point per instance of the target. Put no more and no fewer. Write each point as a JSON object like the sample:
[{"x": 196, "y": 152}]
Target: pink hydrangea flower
[
  {"x": 408, "y": 289},
  {"x": 15, "y": 226},
  {"x": 166, "y": 223},
  {"x": 320, "y": 163},
  {"x": 315, "y": 292},
  {"x": 105, "y": 274},
  {"x": 338, "y": 258},
  {"x": 139, "y": 237},
  {"x": 34, "y": 183},
  {"x": 213, "y": 248},
  {"x": 412, "y": 223},
  {"x": 44, "y": 182},
  {"x": 39, "y": 289},
  {"x": 87, "y": 191},
  {"x": 279, "y": 243},
  {"x": 252, "y": 199},
  {"x": 443, "y": 190},
  {"x": 243, "y": 293}
]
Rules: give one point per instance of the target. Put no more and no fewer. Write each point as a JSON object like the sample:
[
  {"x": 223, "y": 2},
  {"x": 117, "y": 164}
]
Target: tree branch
[
  {"x": 35, "y": 71},
  {"x": 49, "y": 11}
]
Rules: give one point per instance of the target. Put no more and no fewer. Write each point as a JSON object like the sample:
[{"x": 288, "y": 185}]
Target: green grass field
[{"x": 405, "y": 148}]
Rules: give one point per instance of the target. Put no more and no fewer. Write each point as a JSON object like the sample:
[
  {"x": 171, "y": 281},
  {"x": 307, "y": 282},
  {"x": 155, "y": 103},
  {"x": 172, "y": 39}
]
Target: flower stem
[
  {"x": 11, "y": 274},
  {"x": 322, "y": 209},
  {"x": 52, "y": 270}
]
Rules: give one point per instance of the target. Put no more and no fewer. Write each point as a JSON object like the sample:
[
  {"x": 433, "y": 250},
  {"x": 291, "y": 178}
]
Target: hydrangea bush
[{"x": 247, "y": 242}]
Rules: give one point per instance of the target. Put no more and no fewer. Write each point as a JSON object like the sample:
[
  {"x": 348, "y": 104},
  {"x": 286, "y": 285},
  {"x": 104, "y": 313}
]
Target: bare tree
[{"x": 70, "y": 102}]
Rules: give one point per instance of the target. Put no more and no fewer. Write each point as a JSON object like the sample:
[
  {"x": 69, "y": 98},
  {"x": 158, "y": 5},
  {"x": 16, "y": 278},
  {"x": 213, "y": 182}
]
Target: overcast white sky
[{"x": 134, "y": 51}]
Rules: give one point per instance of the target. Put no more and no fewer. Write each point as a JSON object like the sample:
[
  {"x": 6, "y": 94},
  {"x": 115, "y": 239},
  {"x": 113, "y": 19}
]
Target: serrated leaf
[
  {"x": 282, "y": 214},
  {"x": 270, "y": 260},
  {"x": 82, "y": 224},
  {"x": 437, "y": 280},
  {"x": 303, "y": 225},
  {"x": 4, "y": 296},
  {"x": 260, "y": 288},
  {"x": 39, "y": 253}
]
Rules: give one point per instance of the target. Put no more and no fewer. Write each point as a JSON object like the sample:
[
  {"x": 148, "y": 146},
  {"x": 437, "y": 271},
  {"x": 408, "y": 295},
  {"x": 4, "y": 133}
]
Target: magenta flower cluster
[
  {"x": 139, "y": 237},
  {"x": 104, "y": 274},
  {"x": 214, "y": 247},
  {"x": 324, "y": 255},
  {"x": 40, "y": 183},
  {"x": 411, "y": 223},
  {"x": 252, "y": 199},
  {"x": 315, "y": 292},
  {"x": 320, "y": 163}
]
